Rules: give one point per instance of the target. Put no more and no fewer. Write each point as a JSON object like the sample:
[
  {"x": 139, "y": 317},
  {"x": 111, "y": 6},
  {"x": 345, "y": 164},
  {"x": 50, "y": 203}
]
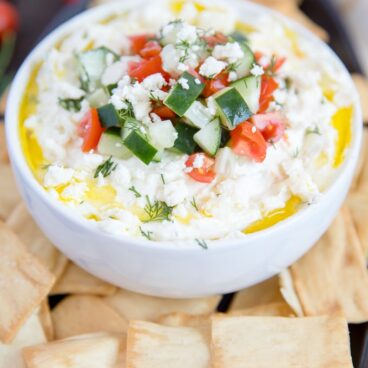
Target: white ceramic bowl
[{"x": 164, "y": 269}]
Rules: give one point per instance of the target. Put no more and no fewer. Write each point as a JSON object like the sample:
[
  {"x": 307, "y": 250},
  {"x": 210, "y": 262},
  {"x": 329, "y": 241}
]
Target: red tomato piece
[
  {"x": 206, "y": 172},
  {"x": 278, "y": 62},
  {"x": 90, "y": 130},
  {"x": 268, "y": 87},
  {"x": 216, "y": 84},
  {"x": 9, "y": 19},
  {"x": 217, "y": 39},
  {"x": 142, "y": 69},
  {"x": 271, "y": 125},
  {"x": 247, "y": 140},
  {"x": 138, "y": 41},
  {"x": 150, "y": 49},
  {"x": 164, "y": 112}
]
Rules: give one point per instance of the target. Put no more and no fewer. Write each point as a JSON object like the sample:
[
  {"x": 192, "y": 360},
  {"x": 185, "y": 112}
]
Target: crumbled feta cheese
[
  {"x": 230, "y": 52},
  {"x": 57, "y": 175},
  {"x": 198, "y": 161},
  {"x": 211, "y": 67},
  {"x": 187, "y": 33},
  {"x": 113, "y": 73},
  {"x": 118, "y": 103},
  {"x": 233, "y": 76},
  {"x": 74, "y": 191},
  {"x": 31, "y": 122},
  {"x": 184, "y": 83},
  {"x": 197, "y": 81},
  {"x": 154, "y": 81},
  {"x": 257, "y": 70},
  {"x": 175, "y": 192}
]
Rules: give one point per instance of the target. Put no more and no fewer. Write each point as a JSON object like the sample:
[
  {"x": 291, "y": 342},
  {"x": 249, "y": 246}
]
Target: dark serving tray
[{"x": 36, "y": 24}]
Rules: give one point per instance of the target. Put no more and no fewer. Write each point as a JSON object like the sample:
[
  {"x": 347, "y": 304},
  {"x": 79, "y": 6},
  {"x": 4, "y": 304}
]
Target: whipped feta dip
[{"x": 203, "y": 190}]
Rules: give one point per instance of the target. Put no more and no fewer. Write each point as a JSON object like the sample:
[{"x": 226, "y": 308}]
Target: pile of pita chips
[
  {"x": 332, "y": 276},
  {"x": 24, "y": 283},
  {"x": 98, "y": 350},
  {"x": 242, "y": 342}
]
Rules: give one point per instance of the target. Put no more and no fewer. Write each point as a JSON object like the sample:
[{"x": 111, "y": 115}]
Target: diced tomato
[
  {"x": 90, "y": 130},
  {"x": 217, "y": 39},
  {"x": 142, "y": 69},
  {"x": 247, "y": 140},
  {"x": 150, "y": 49},
  {"x": 278, "y": 61},
  {"x": 216, "y": 84},
  {"x": 271, "y": 125},
  {"x": 206, "y": 172},
  {"x": 138, "y": 41},
  {"x": 9, "y": 18},
  {"x": 164, "y": 112},
  {"x": 268, "y": 87}
]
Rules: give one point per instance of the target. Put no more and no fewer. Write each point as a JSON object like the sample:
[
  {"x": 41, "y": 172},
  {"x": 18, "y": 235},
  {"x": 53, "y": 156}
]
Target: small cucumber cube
[
  {"x": 111, "y": 144},
  {"x": 197, "y": 115},
  {"x": 162, "y": 134},
  {"x": 246, "y": 63},
  {"x": 185, "y": 142},
  {"x": 180, "y": 99},
  {"x": 129, "y": 125},
  {"x": 140, "y": 147},
  {"x": 250, "y": 89},
  {"x": 108, "y": 115},
  {"x": 209, "y": 137},
  {"x": 232, "y": 108}
]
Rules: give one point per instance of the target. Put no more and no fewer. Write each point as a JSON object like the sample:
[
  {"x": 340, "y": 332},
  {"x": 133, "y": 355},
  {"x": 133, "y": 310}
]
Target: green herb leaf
[
  {"x": 314, "y": 130},
  {"x": 106, "y": 168},
  {"x": 194, "y": 204},
  {"x": 163, "y": 179},
  {"x": 136, "y": 193},
  {"x": 146, "y": 234},
  {"x": 157, "y": 211},
  {"x": 202, "y": 243},
  {"x": 71, "y": 104}
]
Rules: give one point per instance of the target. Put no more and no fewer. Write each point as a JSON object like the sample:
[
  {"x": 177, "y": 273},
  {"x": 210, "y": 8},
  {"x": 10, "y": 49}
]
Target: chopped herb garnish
[
  {"x": 128, "y": 112},
  {"x": 157, "y": 211},
  {"x": 194, "y": 204},
  {"x": 314, "y": 130},
  {"x": 106, "y": 168},
  {"x": 135, "y": 191},
  {"x": 202, "y": 243},
  {"x": 295, "y": 153},
  {"x": 154, "y": 98},
  {"x": 45, "y": 167},
  {"x": 288, "y": 83},
  {"x": 146, "y": 234},
  {"x": 184, "y": 46},
  {"x": 270, "y": 70},
  {"x": 232, "y": 67},
  {"x": 71, "y": 104},
  {"x": 163, "y": 179}
]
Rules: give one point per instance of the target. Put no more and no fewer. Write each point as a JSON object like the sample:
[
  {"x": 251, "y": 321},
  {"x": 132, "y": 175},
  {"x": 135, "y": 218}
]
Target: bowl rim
[{"x": 18, "y": 159}]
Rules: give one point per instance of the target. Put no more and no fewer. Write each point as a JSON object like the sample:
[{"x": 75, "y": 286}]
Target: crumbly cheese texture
[{"x": 243, "y": 190}]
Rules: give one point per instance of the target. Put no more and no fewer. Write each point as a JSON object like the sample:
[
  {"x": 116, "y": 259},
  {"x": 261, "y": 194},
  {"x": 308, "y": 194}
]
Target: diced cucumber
[
  {"x": 197, "y": 115},
  {"x": 185, "y": 142},
  {"x": 209, "y": 137},
  {"x": 162, "y": 134},
  {"x": 98, "y": 98},
  {"x": 111, "y": 144},
  {"x": 245, "y": 64},
  {"x": 232, "y": 108},
  {"x": 92, "y": 65},
  {"x": 158, "y": 156},
  {"x": 140, "y": 147},
  {"x": 180, "y": 99},
  {"x": 129, "y": 125},
  {"x": 109, "y": 117},
  {"x": 250, "y": 89}
]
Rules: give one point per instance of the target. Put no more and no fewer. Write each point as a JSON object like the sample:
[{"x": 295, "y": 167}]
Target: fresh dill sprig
[
  {"x": 106, "y": 168},
  {"x": 184, "y": 46},
  {"x": 135, "y": 191},
  {"x": 128, "y": 112},
  {"x": 146, "y": 234},
  {"x": 194, "y": 204},
  {"x": 154, "y": 98},
  {"x": 157, "y": 211},
  {"x": 232, "y": 67},
  {"x": 202, "y": 243},
  {"x": 270, "y": 70},
  {"x": 314, "y": 130},
  {"x": 163, "y": 179},
  {"x": 71, "y": 104}
]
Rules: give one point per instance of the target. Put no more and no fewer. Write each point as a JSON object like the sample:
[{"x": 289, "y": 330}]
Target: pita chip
[
  {"x": 278, "y": 342},
  {"x": 3, "y": 150},
  {"x": 280, "y": 309},
  {"x": 148, "y": 308},
  {"x": 263, "y": 293},
  {"x": 155, "y": 346},
  {"x": 21, "y": 222},
  {"x": 9, "y": 196},
  {"x": 74, "y": 280},
  {"x": 81, "y": 314},
  {"x": 24, "y": 283},
  {"x": 333, "y": 276},
  {"x": 89, "y": 351},
  {"x": 44, "y": 315},
  {"x": 31, "y": 333}
]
